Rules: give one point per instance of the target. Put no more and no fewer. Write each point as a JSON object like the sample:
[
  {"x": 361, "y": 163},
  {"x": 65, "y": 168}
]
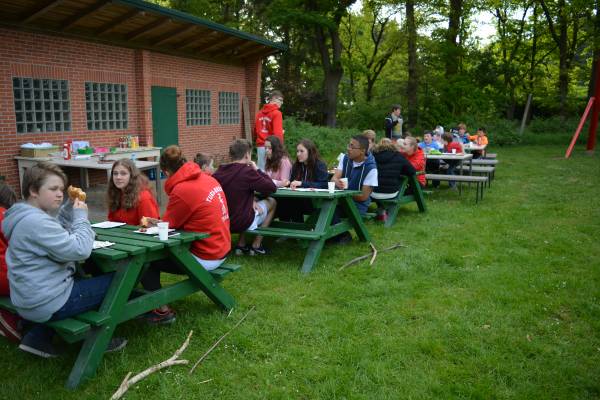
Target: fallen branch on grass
[
  {"x": 373, "y": 255},
  {"x": 174, "y": 360},
  {"x": 219, "y": 341}
]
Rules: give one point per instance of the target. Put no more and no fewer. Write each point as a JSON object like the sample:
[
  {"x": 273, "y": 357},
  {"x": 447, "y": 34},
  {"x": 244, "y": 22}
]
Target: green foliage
[{"x": 329, "y": 141}]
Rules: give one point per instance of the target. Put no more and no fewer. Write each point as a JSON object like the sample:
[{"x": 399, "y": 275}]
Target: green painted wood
[
  {"x": 109, "y": 254},
  {"x": 93, "y": 318},
  {"x": 355, "y": 219},
  {"x": 282, "y": 192},
  {"x": 204, "y": 279},
  {"x": 164, "y": 116},
  {"x": 97, "y": 340},
  {"x": 322, "y": 228},
  {"x": 140, "y": 243},
  {"x": 286, "y": 233},
  {"x": 69, "y": 326},
  {"x": 6, "y": 304}
]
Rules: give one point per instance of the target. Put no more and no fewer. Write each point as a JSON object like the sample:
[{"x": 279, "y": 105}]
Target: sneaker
[
  {"x": 342, "y": 238},
  {"x": 382, "y": 217},
  {"x": 116, "y": 344},
  {"x": 241, "y": 250},
  {"x": 158, "y": 317},
  {"x": 258, "y": 251},
  {"x": 10, "y": 326},
  {"x": 39, "y": 348}
]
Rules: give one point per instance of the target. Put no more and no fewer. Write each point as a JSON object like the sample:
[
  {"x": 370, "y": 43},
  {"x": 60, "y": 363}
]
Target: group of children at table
[{"x": 43, "y": 237}]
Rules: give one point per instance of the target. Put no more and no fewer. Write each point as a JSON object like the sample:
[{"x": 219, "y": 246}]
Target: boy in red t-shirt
[
  {"x": 451, "y": 147},
  {"x": 9, "y": 322}
]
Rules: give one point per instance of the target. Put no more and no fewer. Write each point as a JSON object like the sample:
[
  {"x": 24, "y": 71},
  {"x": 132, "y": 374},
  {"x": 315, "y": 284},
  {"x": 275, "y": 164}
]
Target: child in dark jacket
[
  {"x": 41, "y": 258},
  {"x": 240, "y": 180}
]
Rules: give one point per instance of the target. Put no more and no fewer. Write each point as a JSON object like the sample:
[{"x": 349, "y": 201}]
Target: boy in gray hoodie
[{"x": 41, "y": 256}]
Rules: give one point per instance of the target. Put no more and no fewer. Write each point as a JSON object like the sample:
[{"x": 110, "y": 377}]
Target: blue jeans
[
  {"x": 452, "y": 164},
  {"x": 86, "y": 294}
]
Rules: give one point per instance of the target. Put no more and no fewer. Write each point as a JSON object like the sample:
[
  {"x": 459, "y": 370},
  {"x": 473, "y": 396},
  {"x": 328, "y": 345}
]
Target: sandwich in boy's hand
[{"x": 76, "y": 193}]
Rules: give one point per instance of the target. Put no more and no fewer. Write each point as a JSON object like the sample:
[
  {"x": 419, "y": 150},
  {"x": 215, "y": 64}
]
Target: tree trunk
[
  {"x": 452, "y": 51},
  {"x": 413, "y": 74},
  {"x": 333, "y": 71},
  {"x": 592, "y": 85},
  {"x": 563, "y": 74}
]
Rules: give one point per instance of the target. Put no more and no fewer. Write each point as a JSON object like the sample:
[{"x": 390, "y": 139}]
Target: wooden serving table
[{"x": 85, "y": 164}]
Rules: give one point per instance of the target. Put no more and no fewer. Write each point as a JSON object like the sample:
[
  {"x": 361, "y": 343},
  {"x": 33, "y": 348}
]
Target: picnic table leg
[
  {"x": 97, "y": 339},
  {"x": 325, "y": 216},
  {"x": 418, "y": 193},
  {"x": 355, "y": 219},
  {"x": 203, "y": 278}
]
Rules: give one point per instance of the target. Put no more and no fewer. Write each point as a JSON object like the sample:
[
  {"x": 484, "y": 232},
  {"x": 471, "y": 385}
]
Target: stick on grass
[{"x": 220, "y": 339}]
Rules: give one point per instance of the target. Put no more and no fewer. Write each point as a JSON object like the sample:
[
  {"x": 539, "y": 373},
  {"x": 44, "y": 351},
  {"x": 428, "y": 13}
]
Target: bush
[{"x": 329, "y": 141}]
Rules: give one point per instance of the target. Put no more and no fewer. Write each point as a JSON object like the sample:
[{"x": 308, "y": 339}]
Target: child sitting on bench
[
  {"x": 9, "y": 322},
  {"x": 41, "y": 258}
]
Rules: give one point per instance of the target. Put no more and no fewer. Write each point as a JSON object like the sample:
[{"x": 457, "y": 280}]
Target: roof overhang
[{"x": 137, "y": 24}]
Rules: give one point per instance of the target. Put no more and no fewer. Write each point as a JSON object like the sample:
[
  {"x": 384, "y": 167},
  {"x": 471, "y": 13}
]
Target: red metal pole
[
  {"x": 591, "y": 142},
  {"x": 580, "y": 126}
]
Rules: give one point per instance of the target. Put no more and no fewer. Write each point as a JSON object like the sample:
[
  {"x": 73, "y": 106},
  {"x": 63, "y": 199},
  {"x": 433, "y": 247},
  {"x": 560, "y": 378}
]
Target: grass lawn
[{"x": 492, "y": 301}]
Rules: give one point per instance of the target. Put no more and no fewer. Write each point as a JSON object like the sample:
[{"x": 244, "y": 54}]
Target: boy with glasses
[{"x": 360, "y": 170}]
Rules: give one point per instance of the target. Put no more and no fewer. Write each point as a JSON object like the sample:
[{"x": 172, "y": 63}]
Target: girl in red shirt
[
  {"x": 130, "y": 196},
  {"x": 412, "y": 152}
]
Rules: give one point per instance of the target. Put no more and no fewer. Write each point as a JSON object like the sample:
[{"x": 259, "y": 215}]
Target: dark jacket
[
  {"x": 390, "y": 123},
  {"x": 240, "y": 182},
  {"x": 318, "y": 179},
  {"x": 391, "y": 166}
]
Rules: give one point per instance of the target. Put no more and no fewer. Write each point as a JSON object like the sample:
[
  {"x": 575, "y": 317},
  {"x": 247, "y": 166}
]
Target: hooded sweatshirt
[
  {"x": 240, "y": 181},
  {"x": 391, "y": 167},
  {"x": 197, "y": 203},
  {"x": 269, "y": 121},
  {"x": 41, "y": 256}
]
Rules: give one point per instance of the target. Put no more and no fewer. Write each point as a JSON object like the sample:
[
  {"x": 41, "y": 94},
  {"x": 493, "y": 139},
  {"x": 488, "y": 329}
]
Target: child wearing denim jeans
[
  {"x": 41, "y": 257},
  {"x": 450, "y": 145}
]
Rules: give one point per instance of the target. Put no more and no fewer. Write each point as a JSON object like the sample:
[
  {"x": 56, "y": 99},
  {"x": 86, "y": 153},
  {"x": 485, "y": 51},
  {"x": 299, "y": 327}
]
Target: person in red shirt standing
[
  {"x": 9, "y": 322},
  {"x": 197, "y": 203},
  {"x": 268, "y": 121},
  {"x": 129, "y": 195},
  {"x": 450, "y": 146}
]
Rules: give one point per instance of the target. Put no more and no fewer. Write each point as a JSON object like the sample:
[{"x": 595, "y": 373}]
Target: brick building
[{"x": 97, "y": 70}]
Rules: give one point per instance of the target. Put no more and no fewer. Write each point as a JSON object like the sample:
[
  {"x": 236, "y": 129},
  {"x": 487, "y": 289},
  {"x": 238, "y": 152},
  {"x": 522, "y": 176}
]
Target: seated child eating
[{"x": 41, "y": 257}]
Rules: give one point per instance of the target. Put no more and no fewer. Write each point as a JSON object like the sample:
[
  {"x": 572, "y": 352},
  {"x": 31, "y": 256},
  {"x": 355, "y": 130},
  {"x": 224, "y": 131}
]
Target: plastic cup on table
[
  {"x": 163, "y": 230},
  {"x": 344, "y": 183},
  {"x": 331, "y": 187},
  {"x": 453, "y": 151}
]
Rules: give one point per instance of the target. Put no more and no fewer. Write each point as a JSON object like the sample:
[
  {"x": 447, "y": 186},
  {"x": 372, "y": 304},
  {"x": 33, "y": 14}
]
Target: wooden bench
[
  {"x": 224, "y": 270},
  {"x": 479, "y": 180},
  {"x": 480, "y": 169},
  {"x": 70, "y": 329},
  {"x": 490, "y": 156},
  {"x": 482, "y": 161},
  {"x": 73, "y": 328},
  {"x": 392, "y": 206}
]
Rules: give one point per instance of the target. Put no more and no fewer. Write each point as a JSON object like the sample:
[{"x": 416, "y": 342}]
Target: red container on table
[{"x": 67, "y": 151}]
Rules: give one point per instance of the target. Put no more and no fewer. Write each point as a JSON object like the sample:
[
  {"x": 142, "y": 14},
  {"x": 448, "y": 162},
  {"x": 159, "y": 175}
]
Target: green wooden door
[{"x": 164, "y": 116}]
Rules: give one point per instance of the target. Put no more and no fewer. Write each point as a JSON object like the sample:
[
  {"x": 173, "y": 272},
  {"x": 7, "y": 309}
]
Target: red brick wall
[{"x": 25, "y": 54}]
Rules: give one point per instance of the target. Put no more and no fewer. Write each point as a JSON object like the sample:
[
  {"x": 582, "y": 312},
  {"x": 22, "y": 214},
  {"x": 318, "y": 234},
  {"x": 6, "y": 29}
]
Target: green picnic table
[
  {"x": 127, "y": 258},
  {"x": 317, "y": 228}
]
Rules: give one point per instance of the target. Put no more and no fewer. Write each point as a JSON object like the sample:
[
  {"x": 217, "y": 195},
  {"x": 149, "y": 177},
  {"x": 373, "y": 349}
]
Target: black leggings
[{"x": 151, "y": 279}]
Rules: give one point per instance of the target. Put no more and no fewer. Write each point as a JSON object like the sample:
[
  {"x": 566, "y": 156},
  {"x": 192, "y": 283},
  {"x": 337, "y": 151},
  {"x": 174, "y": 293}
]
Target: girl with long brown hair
[
  {"x": 278, "y": 165},
  {"x": 309, "y": 171},
  {"x": 130, "y": 196}
]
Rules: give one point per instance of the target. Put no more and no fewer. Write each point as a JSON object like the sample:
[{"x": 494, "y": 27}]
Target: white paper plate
[
  {"x": 107, "y": 224},
  {"x": 152, "y": 231}
]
